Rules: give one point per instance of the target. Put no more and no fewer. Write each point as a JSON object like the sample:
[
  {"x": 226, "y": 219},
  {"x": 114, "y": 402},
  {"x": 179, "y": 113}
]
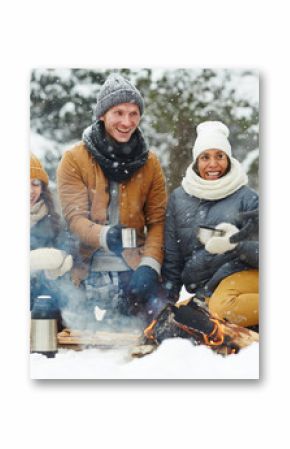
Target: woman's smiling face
[{"x": 212, "y": 164}]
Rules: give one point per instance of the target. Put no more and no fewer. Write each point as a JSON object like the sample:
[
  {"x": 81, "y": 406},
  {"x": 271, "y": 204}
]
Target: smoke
[
  {"x": 87, "y": 310},
  {"x": 80, "y": 313}
]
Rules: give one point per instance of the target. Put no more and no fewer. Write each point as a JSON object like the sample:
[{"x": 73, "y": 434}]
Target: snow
[
  {"x": 243, "y": 112},
  {"x": 68, "y": 108},
  {"x": 39, "y": 145},
  {"x": 42, "y": 146},
  {"x": 84, "y": 90},
  {"x": 250, "y": 158},
  {"x": 175, "y": 358},
  {"x": 247, "y": 87}
]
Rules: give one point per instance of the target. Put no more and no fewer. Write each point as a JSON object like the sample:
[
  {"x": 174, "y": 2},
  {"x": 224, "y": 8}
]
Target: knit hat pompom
[
  {"x": 211, "y": 135},
  {"x": 117, "y": 90},
  {"x": 37, "y": 171}
]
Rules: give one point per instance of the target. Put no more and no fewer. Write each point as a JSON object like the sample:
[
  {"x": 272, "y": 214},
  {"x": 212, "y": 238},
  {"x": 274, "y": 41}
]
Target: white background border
[{"x": 207, "y": 414}]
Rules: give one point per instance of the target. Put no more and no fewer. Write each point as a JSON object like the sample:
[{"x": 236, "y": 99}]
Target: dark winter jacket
[{"x": 186, "y": 260}]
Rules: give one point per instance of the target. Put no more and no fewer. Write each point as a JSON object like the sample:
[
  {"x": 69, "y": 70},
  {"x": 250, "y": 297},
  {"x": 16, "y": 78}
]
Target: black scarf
[{"x": 118, "y": 160}]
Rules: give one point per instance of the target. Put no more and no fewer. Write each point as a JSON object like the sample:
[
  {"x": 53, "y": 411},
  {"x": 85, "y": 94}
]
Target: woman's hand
[
  {"x": 60, "y": 271},
  {"x": 54, "y": 261},
  {"x": 222, "y": 244}
]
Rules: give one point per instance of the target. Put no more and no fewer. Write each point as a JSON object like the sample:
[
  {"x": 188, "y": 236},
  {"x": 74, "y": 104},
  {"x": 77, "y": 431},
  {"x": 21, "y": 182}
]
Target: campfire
[{"x": 225, "y": 338}]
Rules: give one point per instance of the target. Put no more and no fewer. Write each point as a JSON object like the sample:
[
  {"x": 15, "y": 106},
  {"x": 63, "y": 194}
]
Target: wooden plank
[{"x": 100, "y": 338}]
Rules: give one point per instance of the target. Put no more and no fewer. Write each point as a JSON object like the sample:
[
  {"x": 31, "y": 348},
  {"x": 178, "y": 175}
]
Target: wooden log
[
  {"x": 142, "y": 350},
  {"x": 99, "y": 339},
  {"x": 235, "y": 338},
  {"x": 226, "y": 338}
]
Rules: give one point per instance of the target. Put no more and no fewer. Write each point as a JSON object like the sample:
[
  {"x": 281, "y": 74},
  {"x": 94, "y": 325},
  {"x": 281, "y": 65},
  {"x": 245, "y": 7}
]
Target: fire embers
[
  {"x": 217, "y": 340},
  {"x": 195, "y": 323},
  {"x": 163, "y": 327}
]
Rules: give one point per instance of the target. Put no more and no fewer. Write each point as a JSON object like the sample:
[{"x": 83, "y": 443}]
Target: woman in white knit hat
[{"x": 220, "y": 267}]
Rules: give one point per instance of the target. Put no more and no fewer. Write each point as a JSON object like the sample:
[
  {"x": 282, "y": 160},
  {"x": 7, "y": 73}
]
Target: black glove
[
  {"x": 114, "y": 239},
  {"x": 143, "y": 283},
  {"x": 170, "y": 291}
]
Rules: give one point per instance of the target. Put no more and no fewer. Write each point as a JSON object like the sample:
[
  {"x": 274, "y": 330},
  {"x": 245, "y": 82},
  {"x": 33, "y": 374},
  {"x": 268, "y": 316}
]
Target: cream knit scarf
[
  {"x": 37, "y": 212},
  {"x": 204, "y": 189}
]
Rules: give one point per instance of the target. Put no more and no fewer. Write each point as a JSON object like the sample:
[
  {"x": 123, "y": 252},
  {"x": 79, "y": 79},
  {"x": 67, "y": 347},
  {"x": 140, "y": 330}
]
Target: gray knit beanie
[{"x": 116, "y": 90}]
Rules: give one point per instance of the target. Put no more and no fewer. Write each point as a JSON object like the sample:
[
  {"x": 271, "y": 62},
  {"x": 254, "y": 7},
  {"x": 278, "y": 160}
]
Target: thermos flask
[{"x": 43, "y": 334}]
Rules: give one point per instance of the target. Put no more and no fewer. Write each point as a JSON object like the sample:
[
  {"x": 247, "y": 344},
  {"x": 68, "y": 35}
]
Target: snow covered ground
[{"x": 174, "y": 359}]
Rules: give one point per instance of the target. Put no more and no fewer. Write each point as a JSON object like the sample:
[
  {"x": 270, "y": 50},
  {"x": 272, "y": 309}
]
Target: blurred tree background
[{"x": 176, "y": 101}]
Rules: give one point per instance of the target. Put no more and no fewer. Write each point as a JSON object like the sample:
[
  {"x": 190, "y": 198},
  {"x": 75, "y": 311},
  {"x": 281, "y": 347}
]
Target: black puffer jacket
[{"x": 186, "y": 260}]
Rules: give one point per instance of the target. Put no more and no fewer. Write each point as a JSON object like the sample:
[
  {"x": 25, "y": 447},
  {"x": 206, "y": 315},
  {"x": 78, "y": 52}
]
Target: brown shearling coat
[{"x": 84, "y": 196}]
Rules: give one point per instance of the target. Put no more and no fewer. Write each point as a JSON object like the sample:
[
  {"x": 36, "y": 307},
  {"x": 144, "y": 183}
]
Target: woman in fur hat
[
  {"x": 48, "y": 259},
  {"x": 222, "y": 268}
]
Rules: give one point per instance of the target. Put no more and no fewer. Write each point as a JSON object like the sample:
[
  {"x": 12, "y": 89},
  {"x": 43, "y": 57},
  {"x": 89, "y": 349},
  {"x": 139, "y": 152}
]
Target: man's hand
[
  {"x": 114, "y": 239},
  {"x": 170, "y": 291},
  {"x": 143, "y": 283}
]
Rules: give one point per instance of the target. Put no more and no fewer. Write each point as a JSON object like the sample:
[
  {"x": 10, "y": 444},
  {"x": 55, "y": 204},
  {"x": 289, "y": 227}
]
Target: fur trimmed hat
[
  {"x": 211, "y": 135},
  {"x": 117, "y": 90},
  {"x": 37, "y": 171}
]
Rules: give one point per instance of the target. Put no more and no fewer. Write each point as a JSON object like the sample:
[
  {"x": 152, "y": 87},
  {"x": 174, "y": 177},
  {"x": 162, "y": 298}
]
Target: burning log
[
  {"x": 195, "y": 323},
  {"x": 225, "y": 339}
]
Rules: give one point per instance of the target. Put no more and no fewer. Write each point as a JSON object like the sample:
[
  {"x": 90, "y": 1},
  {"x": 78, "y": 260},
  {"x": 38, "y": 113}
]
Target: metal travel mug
[
  {"x": 206, "y": 232},
  {"x": 43, "y": 333},
  {"x": 129, "y": 238}
]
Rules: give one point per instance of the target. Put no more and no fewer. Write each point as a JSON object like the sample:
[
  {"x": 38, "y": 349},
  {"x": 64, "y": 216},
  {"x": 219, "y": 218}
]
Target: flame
[
  {"x": 215, "y": 340},
  {"x": 216, "y": 337},
  {"x": 149, "y": 331}
]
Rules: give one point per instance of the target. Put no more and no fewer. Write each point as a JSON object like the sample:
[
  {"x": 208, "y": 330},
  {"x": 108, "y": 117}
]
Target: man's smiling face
[{"x": 121, "y": 121}]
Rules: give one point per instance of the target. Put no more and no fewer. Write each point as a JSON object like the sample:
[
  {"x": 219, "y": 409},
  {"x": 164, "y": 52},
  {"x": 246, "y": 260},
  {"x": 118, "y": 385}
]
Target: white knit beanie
[{"x": 211, "y": 135}]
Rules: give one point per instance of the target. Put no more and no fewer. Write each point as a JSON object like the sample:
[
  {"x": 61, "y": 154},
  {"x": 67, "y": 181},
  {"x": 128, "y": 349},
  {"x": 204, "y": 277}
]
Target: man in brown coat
[{"x": 107, "y": 182}]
